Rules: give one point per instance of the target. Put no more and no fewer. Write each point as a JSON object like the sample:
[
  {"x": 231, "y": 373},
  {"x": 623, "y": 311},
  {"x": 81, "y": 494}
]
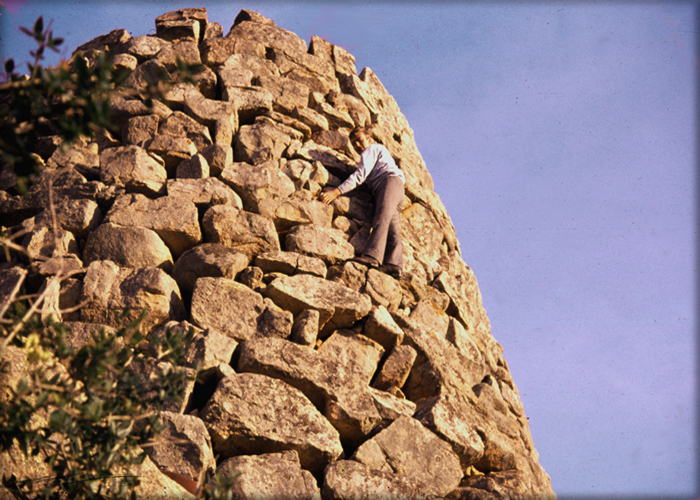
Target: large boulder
[
  {"x": 257, "y": 183},
  {"x": 339, "y": 306},
  {"x": 204, "y": 193},
  {"x": 175, "y": 220},
  {"x": 412, "y": 450},
  {"x": 226, "y": 306},
  {"x": 132, "y": 167},
  {"x": 133, "y": 247},
  {"x": 252, "y": 414},
  {"x": 350, "y": 480},
  {"x": 270, "y": 475},
  {"x": 207, "y": 260},
  {"x": 183, "y": 447},
  {"x": 335, "y": 378},
  {"x": 244, "y": 231},
  {"x": 324, "y": 243},
  {"x": 109, "y": 291}
]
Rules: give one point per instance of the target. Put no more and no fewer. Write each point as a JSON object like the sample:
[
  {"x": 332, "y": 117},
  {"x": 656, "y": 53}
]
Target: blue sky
[{"x": 561, "y": 140}]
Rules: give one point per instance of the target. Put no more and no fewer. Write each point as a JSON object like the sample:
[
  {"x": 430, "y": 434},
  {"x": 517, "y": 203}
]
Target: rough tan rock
[
  {"x": 243, "y": 231},
  {"x": 145, "y": 74},
  {"x": 47, "y": 243},
  {"x": 146, "y": 373},
  {"x": 140, "y": 129},
  {"x": 391, "y": 407},
  {"x": 175, "y": 220},
  {"x": 185, "y": 30},
  {"x": 183, "y": 447},
  {"x": 125, "y": 62},
  {"x": 262, "y": 98},
  {"x": 213, "y": 30},
  {"x": 382, "y": 328},
  {"x": 432, "y": 317},
  {"x": 171, "y": 150},
  {"x": 338, "y": 306},
  {"x": 453, "y": 419},
  {"x": 324, "y": 243},
  {"x": 349, "y": 480},
  {"x": 179, "y": 124},
  {"x": 10, "y": 283},
  {"x": 269, "y": 36},
  {"x": 274, "y": 321},
  {"x": 209, "y": 111},
  {"x": 204, "y": 193},
  {"x": 305, "y": 328},
  {"x": 208, "y": 349},
  {"x": 184, "y": 49},
  {"x": 344, "y": 61},
  {"x": 251, "y": 101},
  {"x": 439, "y": 366},
  {"x": 413, "y": 451},
  {"x": 133, "y": 168},
  {"x": 317, "y": 374},
  {"x": 294, "y": 211},
  {"x": 289, "y": 122},
  {"x": 110, "y": 291},
  {"x": 383, "y": 290},
  {"x": 335, "y": 378},
  {"x": 226, "y": 306},
  {"x": 144, "y": 47},
  {"x": 121, "y": 109},
  {"x": 127, "y": 246},
  {"x": 207, "y": 260},
  {"x": 290, "y": 263},
  {"x": 111, "y": 40},
  {"x": 270, "y": 475},
  {"x": 219, "y": 157},
  {"x": 396, "y": 368},
  {"x": 252, "y": 413},
  {"x": 261, "y": 142},
  {"x": 198, "y": 14},
  {"x": 257, "y": 183},
  {"x": 79, "y": 216},
  {"x": 196, "y": 167}
]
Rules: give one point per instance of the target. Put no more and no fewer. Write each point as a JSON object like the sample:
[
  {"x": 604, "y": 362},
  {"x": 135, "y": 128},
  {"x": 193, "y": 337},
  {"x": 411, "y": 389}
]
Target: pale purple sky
[{"x": 561, "y": 140}]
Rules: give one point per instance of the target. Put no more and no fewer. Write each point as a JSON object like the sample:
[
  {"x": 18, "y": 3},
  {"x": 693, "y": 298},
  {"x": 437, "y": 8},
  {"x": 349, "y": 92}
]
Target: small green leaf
[
  {"x": 39, "y": 25},
  {"x": 9, "y": 66}
]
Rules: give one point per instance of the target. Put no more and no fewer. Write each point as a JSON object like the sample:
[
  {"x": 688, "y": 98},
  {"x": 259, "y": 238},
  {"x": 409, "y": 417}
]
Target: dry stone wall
[{"x": 321, "y": 378}]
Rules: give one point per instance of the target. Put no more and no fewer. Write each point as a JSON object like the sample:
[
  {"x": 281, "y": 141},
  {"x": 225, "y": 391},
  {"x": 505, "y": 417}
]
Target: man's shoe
[
  {"x": 367, "y": 260},
  {"x": 392, "y": 270}
]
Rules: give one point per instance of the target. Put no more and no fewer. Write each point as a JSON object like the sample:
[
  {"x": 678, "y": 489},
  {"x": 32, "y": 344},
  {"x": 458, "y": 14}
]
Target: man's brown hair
[{"x": 357, "y": 131}]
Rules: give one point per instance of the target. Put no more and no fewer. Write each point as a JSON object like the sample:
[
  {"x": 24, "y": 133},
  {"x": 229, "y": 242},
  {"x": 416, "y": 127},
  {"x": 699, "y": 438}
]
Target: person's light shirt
[{"x": 376, "y": 163}]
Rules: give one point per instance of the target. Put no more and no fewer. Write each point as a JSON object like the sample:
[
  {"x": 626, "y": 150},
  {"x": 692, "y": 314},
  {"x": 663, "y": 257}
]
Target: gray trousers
[{"x": 384, "y": 243}]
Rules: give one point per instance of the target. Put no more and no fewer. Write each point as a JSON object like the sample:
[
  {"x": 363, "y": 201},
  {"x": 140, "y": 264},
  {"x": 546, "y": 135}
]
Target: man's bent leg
[
  {"x": 393, "y": 254},
  {"x": 387, "y": 199}
]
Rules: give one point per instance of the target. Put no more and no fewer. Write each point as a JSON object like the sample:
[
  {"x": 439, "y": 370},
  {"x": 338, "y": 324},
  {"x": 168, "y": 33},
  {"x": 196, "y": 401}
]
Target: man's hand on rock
[{"x": 329, "y": 194}]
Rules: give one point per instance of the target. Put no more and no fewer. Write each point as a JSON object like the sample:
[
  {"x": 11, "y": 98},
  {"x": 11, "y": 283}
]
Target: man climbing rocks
[{"x": 386, "y": 181}]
